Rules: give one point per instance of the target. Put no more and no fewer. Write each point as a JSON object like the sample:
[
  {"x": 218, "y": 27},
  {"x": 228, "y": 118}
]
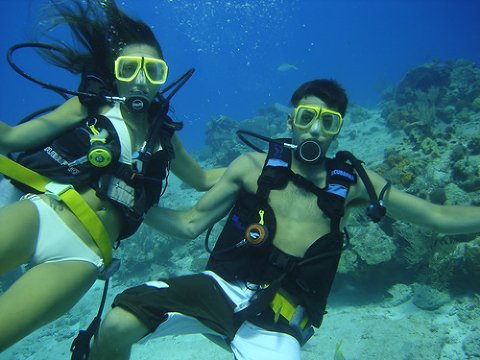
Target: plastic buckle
[
  {"x": 55, "y": 189},
  {"x": 111, "y": 269},
  {"x": 297, "y": 318}
]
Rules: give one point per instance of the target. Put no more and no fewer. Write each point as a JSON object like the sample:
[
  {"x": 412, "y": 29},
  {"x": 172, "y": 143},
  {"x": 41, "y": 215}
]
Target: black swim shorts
[{"x": 198, "y": 296}]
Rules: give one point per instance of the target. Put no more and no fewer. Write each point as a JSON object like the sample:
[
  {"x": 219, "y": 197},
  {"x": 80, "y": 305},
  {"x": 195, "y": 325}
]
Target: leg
[
  {"x": 40, "y": 296},
  {"x": 150, "y": 311},
  {"x": 19, "y": 223},
  {"x": 118, "y": 332},
  {"x": 252, "y": 342}
]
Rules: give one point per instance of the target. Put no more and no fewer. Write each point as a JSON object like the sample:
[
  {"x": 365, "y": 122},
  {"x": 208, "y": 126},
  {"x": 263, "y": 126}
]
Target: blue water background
[{"x": 236, "y": 48}]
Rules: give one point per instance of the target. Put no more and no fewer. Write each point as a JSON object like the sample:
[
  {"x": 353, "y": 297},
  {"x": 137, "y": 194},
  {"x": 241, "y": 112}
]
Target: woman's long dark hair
[{"x": 100, "y": 31}]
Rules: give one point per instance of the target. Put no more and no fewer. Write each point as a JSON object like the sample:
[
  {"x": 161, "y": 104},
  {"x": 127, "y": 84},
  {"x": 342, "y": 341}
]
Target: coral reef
[
  {"x": 422, "y": 78},
  {"x": 222, "y": 144},
  {"x": 429, "y": 146}
]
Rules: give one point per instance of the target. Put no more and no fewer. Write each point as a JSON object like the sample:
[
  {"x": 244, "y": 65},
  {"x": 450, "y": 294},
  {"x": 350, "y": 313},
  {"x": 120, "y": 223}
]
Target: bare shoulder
[
  {"x": 250, "y": 160},
  {"x": 245, "y": 169}
]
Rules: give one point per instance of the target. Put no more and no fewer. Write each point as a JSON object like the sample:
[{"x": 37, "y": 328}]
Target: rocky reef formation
[{"x": 222, "y": 144}]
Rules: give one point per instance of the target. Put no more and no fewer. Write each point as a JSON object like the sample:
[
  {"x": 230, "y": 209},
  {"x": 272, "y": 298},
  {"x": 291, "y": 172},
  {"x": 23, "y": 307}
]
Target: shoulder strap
[
  {"x": 375, "y": 210},
  {"x": 275, "y": 170},
  {"x": 167, "y": 130}
]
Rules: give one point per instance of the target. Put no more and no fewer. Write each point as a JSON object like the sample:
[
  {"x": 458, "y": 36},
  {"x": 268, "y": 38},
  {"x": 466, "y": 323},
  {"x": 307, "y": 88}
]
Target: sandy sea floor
[{"x": 367, "y": 331}]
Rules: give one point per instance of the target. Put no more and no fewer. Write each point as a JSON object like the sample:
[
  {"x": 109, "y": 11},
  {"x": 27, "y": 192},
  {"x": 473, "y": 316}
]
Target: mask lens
[
  {"x": 156, "y": 70},
  {"x": 126, "y": 68},
  {"x": 331, "y": 122},
  {"x": 305, "y": 117}
]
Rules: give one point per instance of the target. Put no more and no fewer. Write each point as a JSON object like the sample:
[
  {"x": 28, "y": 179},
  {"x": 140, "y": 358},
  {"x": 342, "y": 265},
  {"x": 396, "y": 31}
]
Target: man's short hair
[{"x": 327, "y": 90}]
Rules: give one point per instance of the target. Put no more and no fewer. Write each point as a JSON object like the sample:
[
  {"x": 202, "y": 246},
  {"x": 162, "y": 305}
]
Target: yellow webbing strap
[
  {"x": 68, "y": 195},
  {"x": 281, "y": 306},
  {"x": 20, "y": 173}
]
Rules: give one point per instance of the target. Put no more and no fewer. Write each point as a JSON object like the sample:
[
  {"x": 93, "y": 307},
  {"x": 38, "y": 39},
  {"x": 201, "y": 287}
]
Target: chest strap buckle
[{"x": 55, "y": 190}]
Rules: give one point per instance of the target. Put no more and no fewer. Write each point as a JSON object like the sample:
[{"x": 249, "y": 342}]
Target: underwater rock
[
  {"x": 465, "y": 83},
  {"x": 373, "y": 245},
  {"x": 399, "y": 119},
  {"x": 429, "y": 146},
  {"x": 400, "y": 293},
  {"x": 438, "y": 196},
  {"x": 476, "y": 104},
  {"x": 457, "y": 153},
  {"x": 222, "y": 142},
  {"x": 472, "y": 257},
  {"x": 465, "y": 174},
  {"x": 427, "y": 298},
  {"x": 218, "y": 130},
  {"x": 348, "y": 262},
  {"x": 464, "y": 116},
  {"x": 457, "y": 196},
  {"x": 446, "y": 114},
  {"x": 474, "y": 145},
  {"x": 471, "y": 344},
  {"x": 358, "y": 114}
]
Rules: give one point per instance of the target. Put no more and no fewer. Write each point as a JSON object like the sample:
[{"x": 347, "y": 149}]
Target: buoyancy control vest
[
  {"x": 123, "y": 181},
  {"x": 234, "y": 258}
]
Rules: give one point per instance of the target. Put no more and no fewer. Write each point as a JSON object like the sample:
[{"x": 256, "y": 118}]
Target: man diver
[{"x": 271, "y": 270}]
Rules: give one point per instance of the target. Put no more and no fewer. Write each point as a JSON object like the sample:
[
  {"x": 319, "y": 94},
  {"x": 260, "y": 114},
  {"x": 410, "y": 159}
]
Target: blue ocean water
[{"x": 236, "y": 48}]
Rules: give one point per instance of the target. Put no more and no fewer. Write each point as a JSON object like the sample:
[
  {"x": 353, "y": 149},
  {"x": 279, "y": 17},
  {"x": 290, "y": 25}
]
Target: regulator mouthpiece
[
  {"x": 138, "y": 102},
  {"x": 310, "y": 151}
]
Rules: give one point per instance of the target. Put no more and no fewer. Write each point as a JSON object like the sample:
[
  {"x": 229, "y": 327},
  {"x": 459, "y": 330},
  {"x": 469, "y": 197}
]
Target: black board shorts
[{"x": 198, "y": 296}]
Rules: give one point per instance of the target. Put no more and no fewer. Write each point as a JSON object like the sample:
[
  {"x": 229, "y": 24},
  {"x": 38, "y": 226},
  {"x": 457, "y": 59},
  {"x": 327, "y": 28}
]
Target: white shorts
[
  {"x": 56, "y": 242},
  {"x": 250, "y": 342}
]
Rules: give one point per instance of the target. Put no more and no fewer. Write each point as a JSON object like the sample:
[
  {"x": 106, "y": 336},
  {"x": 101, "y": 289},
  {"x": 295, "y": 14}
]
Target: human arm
[
  {"x": 213, "y": 206},
  {"x": 188, "y": 170},
  {"x": 42, "y": 129},
  {"x": 447, "y": 219}
]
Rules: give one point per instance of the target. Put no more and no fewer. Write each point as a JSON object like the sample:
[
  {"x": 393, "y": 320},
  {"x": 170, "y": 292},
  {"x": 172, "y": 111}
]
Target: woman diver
[{"x": 65, "y": 255}]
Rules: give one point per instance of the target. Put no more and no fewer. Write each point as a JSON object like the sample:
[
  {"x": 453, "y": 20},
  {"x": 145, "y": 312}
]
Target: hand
[{"x": 93, "y": 84}]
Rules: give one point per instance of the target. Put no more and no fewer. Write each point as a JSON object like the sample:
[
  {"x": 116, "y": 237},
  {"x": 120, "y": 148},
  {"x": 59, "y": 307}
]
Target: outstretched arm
[
  {"x": 213, "y": 206},
  {"x": 447, "y": 219},
  {"x": 43, "y": 129},
  {"x": 188, "y": 170}
]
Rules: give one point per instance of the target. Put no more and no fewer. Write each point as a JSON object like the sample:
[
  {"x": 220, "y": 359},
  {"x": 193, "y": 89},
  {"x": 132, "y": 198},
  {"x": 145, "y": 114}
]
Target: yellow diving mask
[
  {"x": 128, "y": 67},
  {"x": 306, "y": 115}
]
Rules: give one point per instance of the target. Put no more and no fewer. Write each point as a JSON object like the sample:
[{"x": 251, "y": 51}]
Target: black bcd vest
[
  {"x": 57, "y": 160},
  {"x": 265, "y": 263}
]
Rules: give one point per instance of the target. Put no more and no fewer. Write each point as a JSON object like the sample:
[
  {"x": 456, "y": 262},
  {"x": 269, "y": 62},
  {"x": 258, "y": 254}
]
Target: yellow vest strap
[
  {"x": 281, "y": 306},
  {"x": 68, "y": 195},
  {"x": 20, "y": 173}
]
